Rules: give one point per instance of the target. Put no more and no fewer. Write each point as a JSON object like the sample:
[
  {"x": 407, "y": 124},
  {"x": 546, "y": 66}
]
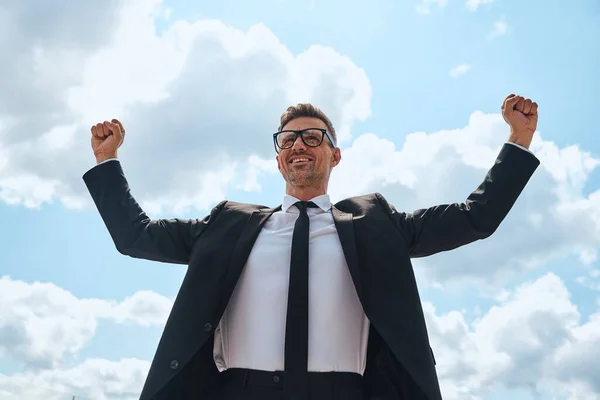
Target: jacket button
[
  {"x": 174, "y": 364},
  {"x": 207, "y": 327}
]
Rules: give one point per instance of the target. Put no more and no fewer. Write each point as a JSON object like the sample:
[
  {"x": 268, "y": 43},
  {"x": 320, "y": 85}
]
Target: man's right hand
[{"x": 107, "y": 137}]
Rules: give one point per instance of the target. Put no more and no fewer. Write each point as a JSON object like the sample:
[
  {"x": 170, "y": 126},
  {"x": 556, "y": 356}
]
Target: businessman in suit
[{"x": 307, "y": 300}]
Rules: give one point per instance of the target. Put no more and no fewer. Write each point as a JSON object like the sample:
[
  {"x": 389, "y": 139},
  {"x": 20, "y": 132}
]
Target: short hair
[{"x": 307, "y": 110}]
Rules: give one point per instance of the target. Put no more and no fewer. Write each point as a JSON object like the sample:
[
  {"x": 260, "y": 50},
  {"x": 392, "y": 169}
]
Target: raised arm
[
  {"x": 132, "y": 231},
  {"x": 448, "y": 226}
]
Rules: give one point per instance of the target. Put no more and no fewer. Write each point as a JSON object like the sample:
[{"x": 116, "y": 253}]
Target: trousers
[{"x": 247, "y": 384}]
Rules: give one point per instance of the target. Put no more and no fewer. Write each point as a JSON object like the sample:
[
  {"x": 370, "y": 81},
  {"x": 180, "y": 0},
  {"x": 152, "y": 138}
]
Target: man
[{"x": 307, "y": 300}]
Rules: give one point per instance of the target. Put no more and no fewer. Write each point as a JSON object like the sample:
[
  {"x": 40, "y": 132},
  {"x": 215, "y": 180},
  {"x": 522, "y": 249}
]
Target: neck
[{"x": 305, "y": 193}]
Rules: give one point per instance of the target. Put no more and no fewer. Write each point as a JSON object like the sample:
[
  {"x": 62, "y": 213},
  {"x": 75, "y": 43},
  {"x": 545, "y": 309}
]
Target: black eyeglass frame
[{"x": 300, "y": 133}]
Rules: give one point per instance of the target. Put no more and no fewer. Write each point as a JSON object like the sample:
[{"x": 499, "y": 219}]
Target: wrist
[
  {"x": 103, "y": 157},
  {"x": 521, "y": 139}
]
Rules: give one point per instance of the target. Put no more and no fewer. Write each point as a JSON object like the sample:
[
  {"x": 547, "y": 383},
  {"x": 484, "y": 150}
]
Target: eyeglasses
[{"x": 312, "y": 137}]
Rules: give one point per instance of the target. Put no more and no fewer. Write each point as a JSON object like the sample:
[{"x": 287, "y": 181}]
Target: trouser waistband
[{"x": 250, "y": 377}]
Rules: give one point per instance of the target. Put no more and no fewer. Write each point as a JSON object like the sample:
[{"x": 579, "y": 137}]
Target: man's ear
[
  {"x": 336, "y": 157},
  {"x": 277, "y": 159}
]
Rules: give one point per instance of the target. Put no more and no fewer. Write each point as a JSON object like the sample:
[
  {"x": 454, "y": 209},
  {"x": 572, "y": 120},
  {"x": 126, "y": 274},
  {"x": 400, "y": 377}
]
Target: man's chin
[{"x": 300, "y": 179}]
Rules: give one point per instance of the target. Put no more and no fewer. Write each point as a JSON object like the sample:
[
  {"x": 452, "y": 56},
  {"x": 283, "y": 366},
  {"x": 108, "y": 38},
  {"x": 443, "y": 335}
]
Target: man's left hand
[{"x": 522, "y": 116}]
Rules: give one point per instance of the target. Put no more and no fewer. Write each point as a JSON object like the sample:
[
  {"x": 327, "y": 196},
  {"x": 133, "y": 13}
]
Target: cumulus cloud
[
  {"x": 96, "y": 379},
  {"x": 40, "y": 60},
  {"x": 42, "y": 324},
  {"x": 534, "y": 339},
  {"x": 198, "y": 100}
]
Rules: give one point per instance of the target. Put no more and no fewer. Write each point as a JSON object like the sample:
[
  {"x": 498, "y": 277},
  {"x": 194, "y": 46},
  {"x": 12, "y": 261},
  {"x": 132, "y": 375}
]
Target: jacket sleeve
[
  {"x": 132, "y": 231},
  {"x": 448, "y": 226}
]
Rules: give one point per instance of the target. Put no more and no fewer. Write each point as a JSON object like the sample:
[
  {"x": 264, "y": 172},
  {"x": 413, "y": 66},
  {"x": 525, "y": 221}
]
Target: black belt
[{"x": 250, "y": 377}]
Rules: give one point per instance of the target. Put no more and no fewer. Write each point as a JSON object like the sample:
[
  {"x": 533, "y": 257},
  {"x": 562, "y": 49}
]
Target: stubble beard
[{"x": 304, "y": 178}]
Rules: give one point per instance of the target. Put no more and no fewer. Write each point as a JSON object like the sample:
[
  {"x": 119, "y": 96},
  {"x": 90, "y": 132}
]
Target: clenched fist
[
  {"x": 522, "y": 116},
  {"x": 107, "y": 137}
]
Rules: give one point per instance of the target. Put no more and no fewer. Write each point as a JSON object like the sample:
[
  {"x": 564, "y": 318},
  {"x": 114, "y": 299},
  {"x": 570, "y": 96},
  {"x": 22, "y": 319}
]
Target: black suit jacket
[{"x": 378, "y": 243}]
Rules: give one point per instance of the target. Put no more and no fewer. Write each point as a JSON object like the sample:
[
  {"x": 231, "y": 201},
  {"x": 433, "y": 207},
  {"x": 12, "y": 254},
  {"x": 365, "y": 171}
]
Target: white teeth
[{"x": 300, "y": 160}]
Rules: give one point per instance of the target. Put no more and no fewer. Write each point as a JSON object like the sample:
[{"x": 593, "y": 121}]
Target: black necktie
[{"x": 296, "y": 328}]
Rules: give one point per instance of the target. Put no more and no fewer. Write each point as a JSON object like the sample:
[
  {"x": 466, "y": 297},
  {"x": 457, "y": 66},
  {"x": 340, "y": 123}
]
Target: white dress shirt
[{"x": 251, "y": 333}]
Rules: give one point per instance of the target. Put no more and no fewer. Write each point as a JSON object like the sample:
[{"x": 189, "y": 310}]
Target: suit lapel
[
  {"x": 345, "y": 229},
  {"x": 242, "y": 250}
]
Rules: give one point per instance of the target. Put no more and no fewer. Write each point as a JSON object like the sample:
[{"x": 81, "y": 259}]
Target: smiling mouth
[{"x": 300, "y": 161}]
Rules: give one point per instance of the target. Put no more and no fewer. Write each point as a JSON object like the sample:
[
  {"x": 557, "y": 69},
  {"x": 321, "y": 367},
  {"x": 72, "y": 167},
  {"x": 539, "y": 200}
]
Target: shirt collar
[{"x": 322, "y": 201}]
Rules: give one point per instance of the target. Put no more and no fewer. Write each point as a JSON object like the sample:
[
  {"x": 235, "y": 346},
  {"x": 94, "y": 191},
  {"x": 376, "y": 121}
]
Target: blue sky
[{"x": 392, "y": 78}]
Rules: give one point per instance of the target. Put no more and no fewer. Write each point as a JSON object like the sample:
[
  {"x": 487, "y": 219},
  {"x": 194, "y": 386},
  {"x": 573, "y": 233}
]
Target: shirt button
[
  {"x": 275, "y": 378},
  {"x": 207, "y": 327},
  {"x": 174, "y": 364}
]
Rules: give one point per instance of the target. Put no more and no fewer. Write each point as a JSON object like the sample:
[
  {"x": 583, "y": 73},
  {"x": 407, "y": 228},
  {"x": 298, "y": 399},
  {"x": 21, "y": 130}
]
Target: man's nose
[{"x": 299, "y": 144}]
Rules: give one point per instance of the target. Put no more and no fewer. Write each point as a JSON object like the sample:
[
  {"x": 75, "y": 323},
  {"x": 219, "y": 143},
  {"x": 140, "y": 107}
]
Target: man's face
[{"x": 304, "y": 166}]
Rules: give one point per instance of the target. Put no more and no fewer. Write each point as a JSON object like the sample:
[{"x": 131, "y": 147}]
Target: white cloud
[
  {"x": 203, "y": 95},
  {"x": 532, "y": 340},
  {"x": 42, "y": 328},
  {"x": 425, "y": 6},
  {"x": 500, "y": 28},
  {"x": 41, "y": 323},
  {"x": 473, "y": 5},
  {"x": 460, "y": 70},
  {"x": 96, "y": 379}
]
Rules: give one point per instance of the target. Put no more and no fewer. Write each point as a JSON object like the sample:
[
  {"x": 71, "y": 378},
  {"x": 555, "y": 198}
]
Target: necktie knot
[{"x": 303, "y": 205}]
